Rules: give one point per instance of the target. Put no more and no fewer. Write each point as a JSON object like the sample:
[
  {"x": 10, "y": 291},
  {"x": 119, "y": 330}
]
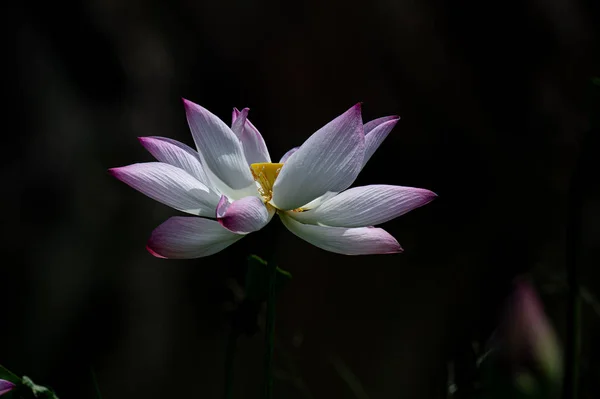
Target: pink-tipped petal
[
  {"x": 183, "y": 237},
  {"x": 169, "y": 185},
  {"x": 234, "y": 115},
  {"x": 154, "y": 253},
  {"x": 6, "y": 386},
  {"x": 288, "y": 154},
  {"x": 345, "y": 241},
  {"x": 221, "y": 153},
  {"x": 177, "y": 154},
  {"x": 238, "y": 122},
  {"x": 369, "y": 126},
  {"x": 255, "y": 149},
  {"x": 329, "y": 160},
  {"x": 366, "y": 206},
  {"x": 378, "y": 130},
  {"x": 245, "y": 215}
]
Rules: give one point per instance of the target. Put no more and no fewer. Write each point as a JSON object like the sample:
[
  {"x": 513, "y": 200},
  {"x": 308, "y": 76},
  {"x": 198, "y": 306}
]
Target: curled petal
[
  {"x": 345, "y": 241},
  {"x": 244, "y": 215},
  {"x": 169, "y": 185},
  {"x": 252, "y": 141},
  {"x": 369, "y": 126},
  {"x": 182, "y": 237},
  {"x": 221, "y": 152},
  {"x": 177, "y": 154},
  {"x": 222, "y": 206},
  {"x": 366, "y": 206},
  {"x": 238, "y": 120},
  {"x": 375, "y": 132},
  {"x": 288, "y": 154},
  {"x": 329, "y": 160}
]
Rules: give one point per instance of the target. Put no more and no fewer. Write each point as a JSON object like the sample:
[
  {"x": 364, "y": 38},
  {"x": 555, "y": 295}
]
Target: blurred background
[{"x": 497, "y": 107}]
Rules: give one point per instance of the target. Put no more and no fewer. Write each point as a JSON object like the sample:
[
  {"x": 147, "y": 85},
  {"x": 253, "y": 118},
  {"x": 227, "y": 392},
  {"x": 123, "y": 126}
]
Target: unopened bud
[
  {"x": 529, "y": 339},
  {"x": 6, "y": 386}
]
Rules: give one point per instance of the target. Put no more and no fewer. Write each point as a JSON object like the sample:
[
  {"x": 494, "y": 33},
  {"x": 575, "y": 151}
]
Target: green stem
[
  {"x": 576, "y": 345},
  {"x": 96, "y": 386},
  {"x": 579, "y": 181},
  {"x": 573, "y": 353},
  {"x": 229, "y": 363},
  {"x": 270, "y": 332}
]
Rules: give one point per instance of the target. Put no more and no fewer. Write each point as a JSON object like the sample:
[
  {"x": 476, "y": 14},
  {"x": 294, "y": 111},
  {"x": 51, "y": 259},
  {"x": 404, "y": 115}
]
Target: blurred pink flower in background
[{"x": 530, "y": 341}]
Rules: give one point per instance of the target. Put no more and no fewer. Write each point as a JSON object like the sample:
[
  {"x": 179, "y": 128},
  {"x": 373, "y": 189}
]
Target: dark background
[{"x": 495, "y": 100}]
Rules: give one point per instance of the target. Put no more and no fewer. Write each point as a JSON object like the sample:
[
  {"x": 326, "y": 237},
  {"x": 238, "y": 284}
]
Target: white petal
[
  {"x": 221, "y": 153},
  {"x": 169, "y": 185},
  {"x": 288, "y": 154},
  {"x": 183, "y": 237},
  {"x": 346, "y": 241},
  {"x": 255, "y": 149},
  {"x": 375, "y": 132},
  {"x": 244, "y": 215},
  {"x": 177, "y": 154},
  {"x": 366, "y": 206},
  {"x": 319, "y": 200},
  {"x": 329, "y": 160}
]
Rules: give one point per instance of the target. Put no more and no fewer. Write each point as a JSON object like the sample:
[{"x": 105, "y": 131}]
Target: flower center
[{"x": 264, "y": 175}]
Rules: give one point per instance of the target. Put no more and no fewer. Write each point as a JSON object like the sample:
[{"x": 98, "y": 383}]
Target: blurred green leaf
[
  {"x": 38, "y": 391},
  {"x": 349, "y": 377},
  {"x": 6, "y": 374},
  {"x": 498, "y": 381}
]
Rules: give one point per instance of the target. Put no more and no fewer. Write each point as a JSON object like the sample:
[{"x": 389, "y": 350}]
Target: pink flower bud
[
  {"x": 529, "y": 337},
  {"x": 6, "y": 386}
]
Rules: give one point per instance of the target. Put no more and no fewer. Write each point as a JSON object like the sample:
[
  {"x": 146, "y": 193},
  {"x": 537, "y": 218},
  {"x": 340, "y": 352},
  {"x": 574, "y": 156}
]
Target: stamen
[{"x": 265, "y": 174}]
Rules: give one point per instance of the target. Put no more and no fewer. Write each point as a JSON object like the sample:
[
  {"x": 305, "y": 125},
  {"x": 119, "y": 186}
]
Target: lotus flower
[
  {"x": 6, "y": 386},
  {"x": 232, "y": 188}
]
